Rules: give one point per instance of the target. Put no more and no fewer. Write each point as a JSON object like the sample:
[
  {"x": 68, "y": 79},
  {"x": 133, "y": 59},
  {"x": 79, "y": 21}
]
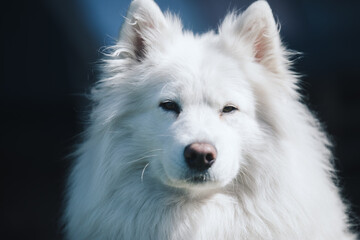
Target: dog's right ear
[{"x": 140, "y": 31}]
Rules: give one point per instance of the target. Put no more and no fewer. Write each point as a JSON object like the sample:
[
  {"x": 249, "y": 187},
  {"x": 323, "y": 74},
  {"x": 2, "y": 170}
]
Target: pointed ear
[
  {"x": 258, "y": 30},
  {"x": 144, "y": 21}
]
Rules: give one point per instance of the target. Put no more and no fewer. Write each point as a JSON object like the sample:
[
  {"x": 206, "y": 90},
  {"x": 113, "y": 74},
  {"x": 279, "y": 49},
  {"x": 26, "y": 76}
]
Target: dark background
[{"x": 49, "y": 51}]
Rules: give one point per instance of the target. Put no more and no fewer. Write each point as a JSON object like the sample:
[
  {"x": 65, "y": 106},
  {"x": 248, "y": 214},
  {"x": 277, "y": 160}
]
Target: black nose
[{"x": 200, "y": 156}]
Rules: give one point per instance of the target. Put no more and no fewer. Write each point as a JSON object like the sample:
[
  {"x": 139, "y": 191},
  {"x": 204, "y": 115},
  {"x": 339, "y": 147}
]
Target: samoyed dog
[{"x": 202, "y": 137}]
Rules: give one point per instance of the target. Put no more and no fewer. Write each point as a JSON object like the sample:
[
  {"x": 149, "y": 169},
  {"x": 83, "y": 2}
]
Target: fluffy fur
[{"x": 272, "y": 178}]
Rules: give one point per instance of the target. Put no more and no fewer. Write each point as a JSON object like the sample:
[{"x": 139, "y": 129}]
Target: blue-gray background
[{"x": 49, "y": 50}]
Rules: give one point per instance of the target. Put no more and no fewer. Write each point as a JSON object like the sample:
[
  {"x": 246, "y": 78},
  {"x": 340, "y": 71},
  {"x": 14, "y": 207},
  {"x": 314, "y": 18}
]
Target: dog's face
[
  {"x": 201, "y": 115},
  {"x": 194, "y": 107}
]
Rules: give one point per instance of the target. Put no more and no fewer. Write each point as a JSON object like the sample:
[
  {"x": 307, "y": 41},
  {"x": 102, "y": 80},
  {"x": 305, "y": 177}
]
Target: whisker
[
  {"x": 139, "y": 159},
  {"x": 143, "y": 171},
  {"x": 144, "y": 157}
]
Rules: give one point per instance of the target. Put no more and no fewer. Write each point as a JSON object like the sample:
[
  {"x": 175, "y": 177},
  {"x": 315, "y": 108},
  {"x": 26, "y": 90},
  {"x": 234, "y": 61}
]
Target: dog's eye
[
  {"x": 229, "y": 108},
  {"x": 170, "y": 106}
]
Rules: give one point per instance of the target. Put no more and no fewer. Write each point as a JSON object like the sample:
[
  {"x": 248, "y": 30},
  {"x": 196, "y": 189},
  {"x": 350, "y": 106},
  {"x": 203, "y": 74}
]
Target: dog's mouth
[
  {"x": 199, "y": 178},
  {"x": 196, "y": 182}
]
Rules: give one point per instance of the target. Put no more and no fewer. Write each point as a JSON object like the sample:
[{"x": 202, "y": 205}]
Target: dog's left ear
[
  {"x": 143, "y": 24},
  {"x": 257, "y": 29}
]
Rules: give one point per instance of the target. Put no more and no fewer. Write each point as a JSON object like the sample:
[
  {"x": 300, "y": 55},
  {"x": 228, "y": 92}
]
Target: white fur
[{"x": 272, "y": 178}]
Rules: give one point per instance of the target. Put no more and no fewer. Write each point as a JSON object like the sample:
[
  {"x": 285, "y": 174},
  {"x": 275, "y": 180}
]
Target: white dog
[{"x": 202, "y": 137}]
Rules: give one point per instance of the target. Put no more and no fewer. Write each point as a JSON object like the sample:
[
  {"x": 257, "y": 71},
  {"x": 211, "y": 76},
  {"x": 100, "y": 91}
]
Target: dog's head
[{"x": 192, "y": 108}]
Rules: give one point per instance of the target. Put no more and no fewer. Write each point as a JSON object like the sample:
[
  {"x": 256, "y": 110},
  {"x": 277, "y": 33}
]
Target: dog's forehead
[
  {"x": 196, "y": 70},
  {"x": 195, "y": 62},
  {"x": 193, "y": 51},
  {"x": 198, "y": 59}
]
